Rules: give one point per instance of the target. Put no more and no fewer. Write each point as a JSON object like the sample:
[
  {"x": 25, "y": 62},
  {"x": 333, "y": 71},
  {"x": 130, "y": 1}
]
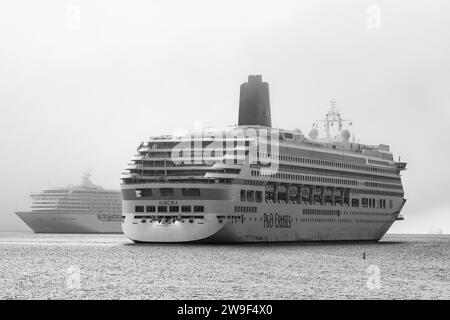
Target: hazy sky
[{"x": 83, "y": 82}]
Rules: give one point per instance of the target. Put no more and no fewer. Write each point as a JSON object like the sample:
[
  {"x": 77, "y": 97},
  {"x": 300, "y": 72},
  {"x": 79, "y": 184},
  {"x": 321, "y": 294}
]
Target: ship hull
[
  {"x": 288, "y": 225},
  {"x": 68, "y": 223},
  {"x": 166, "y": 233}
]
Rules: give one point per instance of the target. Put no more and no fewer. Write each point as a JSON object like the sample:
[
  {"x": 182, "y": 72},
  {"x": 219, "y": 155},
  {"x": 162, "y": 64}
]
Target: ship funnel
[{"x": 254, "y": 102}]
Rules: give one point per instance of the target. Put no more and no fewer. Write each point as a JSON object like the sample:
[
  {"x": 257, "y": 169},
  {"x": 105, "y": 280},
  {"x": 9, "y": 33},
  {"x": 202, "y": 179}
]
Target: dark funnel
[{"x": 254, "y": 103}]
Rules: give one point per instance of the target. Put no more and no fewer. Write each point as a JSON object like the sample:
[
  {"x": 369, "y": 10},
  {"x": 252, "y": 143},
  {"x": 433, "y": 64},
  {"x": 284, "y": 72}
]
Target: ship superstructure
[
  {"x": 85, "y": 208},
  {"x": 255, "y": 183}
]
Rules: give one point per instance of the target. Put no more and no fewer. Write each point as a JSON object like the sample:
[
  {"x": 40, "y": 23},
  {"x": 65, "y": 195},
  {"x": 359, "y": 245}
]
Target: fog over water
[{"x": 82, "y": 83}]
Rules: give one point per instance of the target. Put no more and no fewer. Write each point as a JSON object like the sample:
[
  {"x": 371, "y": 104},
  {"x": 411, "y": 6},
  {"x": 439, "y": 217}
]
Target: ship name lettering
[
  {"x": 268, "y": 220},
  {"x": 168, "y": 202},
  {"x": 277, "y": 220},
  {"x": 282, "y": 221}
]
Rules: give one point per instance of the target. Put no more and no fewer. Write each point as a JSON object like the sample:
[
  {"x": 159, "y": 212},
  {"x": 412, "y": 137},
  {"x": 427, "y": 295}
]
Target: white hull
[
  {"x": 289, "y": 225},
  {"x": 68, "y": 223}
]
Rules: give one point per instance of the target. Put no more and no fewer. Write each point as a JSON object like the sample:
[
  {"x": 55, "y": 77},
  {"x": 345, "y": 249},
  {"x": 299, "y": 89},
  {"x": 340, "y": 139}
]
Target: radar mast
[
  {"x": 86, "y": 181},
  {"x": 333, "y": 125}
]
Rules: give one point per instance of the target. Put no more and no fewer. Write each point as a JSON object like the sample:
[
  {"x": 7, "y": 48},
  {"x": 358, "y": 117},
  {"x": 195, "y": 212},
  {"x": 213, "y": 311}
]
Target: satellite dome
[
  {"x": 345, "y": 135},
  {"x": 314, "y": 133}
]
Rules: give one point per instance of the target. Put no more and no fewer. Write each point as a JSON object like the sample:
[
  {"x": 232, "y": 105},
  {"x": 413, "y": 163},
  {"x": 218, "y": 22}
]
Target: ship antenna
[
  {"x": 333, "y": 106},
  {"x": 330, "y": 113}
]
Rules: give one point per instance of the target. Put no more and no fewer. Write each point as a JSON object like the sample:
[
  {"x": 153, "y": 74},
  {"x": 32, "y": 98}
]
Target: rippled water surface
[{"x": 111, "y": 267}]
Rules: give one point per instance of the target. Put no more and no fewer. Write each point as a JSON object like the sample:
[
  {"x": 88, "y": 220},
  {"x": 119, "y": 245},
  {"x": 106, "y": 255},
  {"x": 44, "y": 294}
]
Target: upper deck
[{"x": 254, "y": 151}]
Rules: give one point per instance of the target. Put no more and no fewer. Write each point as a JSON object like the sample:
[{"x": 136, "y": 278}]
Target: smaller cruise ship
[{"x": 87, "y": 208}]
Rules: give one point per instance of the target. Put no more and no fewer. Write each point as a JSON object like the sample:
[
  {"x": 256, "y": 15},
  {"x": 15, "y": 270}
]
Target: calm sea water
[{"x": 111, "y": 267}]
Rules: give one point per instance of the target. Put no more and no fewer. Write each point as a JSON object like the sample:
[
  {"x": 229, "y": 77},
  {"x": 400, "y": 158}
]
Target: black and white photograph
[{"x": 249, "y": 152}]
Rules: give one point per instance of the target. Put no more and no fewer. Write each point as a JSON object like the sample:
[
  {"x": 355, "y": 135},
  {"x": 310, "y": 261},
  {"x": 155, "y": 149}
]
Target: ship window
[
  {"x": 243, "y": 195},
  {"x": 190, "y": 192},
  {"x": 166, "y": 192},
  {"x": 355, "y": 202},
  {"x": 150, "y": 209},
  {"x": 364, "y": 202},
  {"x": 198, "y": 209},
  {"x": 258, "y": 196},
  {"x": 250, "y": 196},
  {"x": 174, "y": 208},
  {"x": 390, "y": 204},
  {"x": 139, "y": 208},
  {"x": 143, "y": 193},
  {"x": 185, "y": 208},
  {"x": 162, "y": 208}
]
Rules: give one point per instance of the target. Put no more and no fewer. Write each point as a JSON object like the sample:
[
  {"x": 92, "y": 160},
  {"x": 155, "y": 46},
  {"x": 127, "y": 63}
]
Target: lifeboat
[
  {"x": 317, "y": 191},
  {"x": 293, "y": 191}
]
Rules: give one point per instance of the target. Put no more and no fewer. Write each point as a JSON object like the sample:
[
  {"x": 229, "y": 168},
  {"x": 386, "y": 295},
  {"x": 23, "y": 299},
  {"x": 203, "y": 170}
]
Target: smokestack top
[
  {"x": 254, "y": 78},
  {"x": 254, "y": 102}
]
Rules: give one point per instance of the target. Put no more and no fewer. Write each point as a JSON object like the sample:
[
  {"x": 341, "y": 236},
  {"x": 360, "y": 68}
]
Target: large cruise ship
[
  {"x": 86, "y": 208},
  {"x": 255, "y": 183}
]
